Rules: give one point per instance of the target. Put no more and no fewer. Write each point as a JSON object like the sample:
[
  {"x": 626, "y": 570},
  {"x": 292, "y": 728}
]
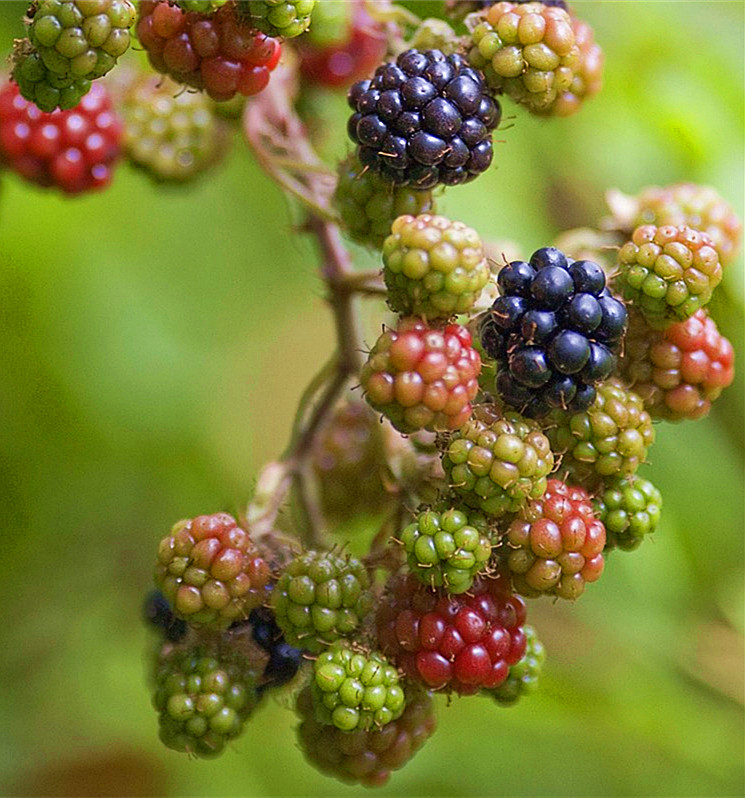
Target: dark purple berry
[
  {"x": 530, "y": 367},
  {"x": 537, "y": 325},
  {"x": 515, "y": 278},
  {"x": 466, "y": 93},
  {"x": 417, "y": 92},
  {"x": 583, "y": 313},
  {"x": 441, "y": 118},
  {"x": 600, "y": 364},
  {"x": 551, "y": 287},
  {"x": 569, "y": 351},
  {"x": 492, "y": 340},
  {"x": 506, "y": 310},
  {"x": 613, "y": 324},
  {"x": 511, "y": 391},
  {"x": 584, "y": 397},
  {"x": 588, "y": 277},
  {"x": 548, "y": 256},
  {"x": 560, "y": 391}
]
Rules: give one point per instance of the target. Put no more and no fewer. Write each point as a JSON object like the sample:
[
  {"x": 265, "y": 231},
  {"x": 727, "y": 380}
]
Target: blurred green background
[{"x": 154, "y": 343}]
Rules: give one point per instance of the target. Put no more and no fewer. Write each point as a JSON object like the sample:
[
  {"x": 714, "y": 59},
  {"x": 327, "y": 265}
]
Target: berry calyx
[
  {"x": 354, "y": 690},
  {"x": 444, "y": 550},
  {"x": 461, "y": 643},
  {"x": 433, "y": 267},
  {"x": 75, "y": 151},
  {"x": 422, "y": 377},
  {"x": 555, "y": 544},
  {"x": 368, "y": 204},
  {"x": 668, "y": 272},
  {"x": 210, "y": 571},
  {"x": 630, "y": 509},
  {"x": 523, "y": 677},
  {"x": 321, "y": 597},
  {"x": 497, "y": 461},
  {"x": 424, "y": 120}
]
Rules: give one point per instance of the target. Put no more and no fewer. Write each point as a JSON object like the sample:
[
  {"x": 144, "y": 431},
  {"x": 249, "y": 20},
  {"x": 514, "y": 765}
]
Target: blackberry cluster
[
  {"x": 285, "y": 18},
  {"x": 554, "y": 332},
  {"x": 630, "y": 509},
  {"x": 524, "y": 676},
  {"x": 424, "y": 120}
]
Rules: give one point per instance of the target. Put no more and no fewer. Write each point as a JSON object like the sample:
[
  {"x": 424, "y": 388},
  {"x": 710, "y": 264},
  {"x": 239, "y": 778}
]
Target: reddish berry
[
  {"x": 219, "y": 53},
  {"x": 342, "y": 63},
  {"x": 679, "y": 371},
  {"x": 555, "y": 544},
  {"x": 72, "y": 150},
  {"x": 422, "y": 377},
  {"x": 460, "y": 643}
]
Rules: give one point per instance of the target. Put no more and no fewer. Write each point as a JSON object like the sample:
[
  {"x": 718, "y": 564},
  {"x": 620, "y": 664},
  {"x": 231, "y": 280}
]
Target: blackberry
[
  {"x": 554, "y": 545},
  {"x": 497, "y": 461},
  {"x": 210, "y": 571},
  {"x": 284, "y": 660},
  {"x": 368, "y": 204},
  {"x": 424, "y": 120},
  {"x": 553, "y": 331},
  {"x": 158, "y": 614},
  {"x": 80, "y": 39},
  {"x": 523, "y": 677},
  {"x": 321, "y": 597},
  {"x": 354, "y": 690},
  {"x": 285, "y": 18},
  {"x": 678, "y": 371},
  {"x": 608, "y": 439},
  {"x": 172, "y": 134},
  {"x": 365, "y": 757},
  {"x": 204, "y": 694},
  {"x": 668, "y": 272},
  {"x": 444, "y": 550},
  {"x": 456, "y": 643},
  {"x": 433, "y": 267},
  {"x": 528, "y": 51},
  {"x": 44, "y": 88},
  {"x": 422, "y": 377},
  {"x": 630, "y": 509}
]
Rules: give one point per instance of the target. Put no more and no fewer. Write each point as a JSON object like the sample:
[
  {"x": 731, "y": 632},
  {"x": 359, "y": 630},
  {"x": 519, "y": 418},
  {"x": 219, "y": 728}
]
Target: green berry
[
  {"x": 444, "y": 549},
  {"x": 368, "y": 204},
  {"x": 321, "y": 597},
  {"x": 630, "y": 508},
  {"x": 204, "y": 693},
  {"x": 200, "y": 6},
  {"x": 332, "y": 22},
  {"x": 285, "y": 18},
  {"x": 523, "y": 677},
  {"x": 610, "y": 438},
  {"x": 47, "y": 90},
  {"x": 498, "y": 461},
  {"x": 433, "y": 267},
  {"x": 353, "y": 690}
]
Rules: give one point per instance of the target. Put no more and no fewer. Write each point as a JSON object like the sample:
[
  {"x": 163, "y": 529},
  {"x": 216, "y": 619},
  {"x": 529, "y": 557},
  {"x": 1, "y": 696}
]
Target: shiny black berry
[
  {"x": 551, "y": 287},
  {"x": 158, "y": 614}
]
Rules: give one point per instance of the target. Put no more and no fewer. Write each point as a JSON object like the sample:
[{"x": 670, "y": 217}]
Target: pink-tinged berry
[
  {"x": 422, "y": 377},
  {"x": 588, "y": 78},
  {"x": 461, "y": 643},
  {"x": 678, "y": 371},
  {"x": 555, "y": 544},
  {"x": 73, "y": 150},
  {"x": 210, "y": 571},
  {"x": 220, "y": 53},
  {"x": 524, "y": 676}
]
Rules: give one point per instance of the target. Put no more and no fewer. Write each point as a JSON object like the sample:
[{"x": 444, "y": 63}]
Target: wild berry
[
  {"x": 524, "y": 676},
  {"x": 630, "y": 508}
]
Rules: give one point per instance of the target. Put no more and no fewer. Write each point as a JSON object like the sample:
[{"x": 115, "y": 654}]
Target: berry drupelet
[
  {"x": 285, "y": 18},
  {"x": 630, "y": 509},
  {"x": 424, "y": 120},
  {"x": 553, "y": 331},
  {"x": 74, "y": 150},
  {"x": 523, "y": 677},
  {"x": 461, "y": 643},
  {"x": 219, "y": 53}
]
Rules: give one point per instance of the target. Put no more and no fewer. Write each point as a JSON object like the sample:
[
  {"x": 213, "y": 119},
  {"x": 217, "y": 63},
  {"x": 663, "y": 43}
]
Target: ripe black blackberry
[
  {"x": 423, "y": 120},
  {"x": 553, "y": 331}
]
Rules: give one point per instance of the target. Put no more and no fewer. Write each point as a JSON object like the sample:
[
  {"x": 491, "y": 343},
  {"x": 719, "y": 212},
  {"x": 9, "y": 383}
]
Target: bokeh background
[{"x": 153, "y": 343}]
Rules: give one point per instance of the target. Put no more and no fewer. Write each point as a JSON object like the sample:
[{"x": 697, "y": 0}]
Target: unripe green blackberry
[
  {"x": 528, "y": 51},
  {"x": 608, "y": 439},
  {"x": 668, "y": 272},
  {"x": 204, "y": 694},
  {"x": 321, "y": 597},
  {"x": 444, "y": 550},
  {"x": 353, "y": 690},
  {"x": 81, "y": 38},
  {"x": 200, "y": 6},
  {"x": 39, "y": 85},
  {"x": 368, "y": 204},
  {"x": 630, "y": 508},
  {"x": 210, "y": 571},
  {"x": 285, "y": 18},
  {"x": 172, "y": 134},
  {"x": 498, "y": 460},
  {"x": 434, "y": 268},
  {"x": 523, "y": 678},
  {"x": 365, "y": 757}
]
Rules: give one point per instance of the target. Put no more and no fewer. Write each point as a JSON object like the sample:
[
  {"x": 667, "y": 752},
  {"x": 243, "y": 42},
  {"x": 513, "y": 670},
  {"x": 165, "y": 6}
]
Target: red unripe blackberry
[
  {"x": 678, "y": 371},
  {"x": 219, "y": 53},
  {"x": 460, "y": 643},
  {"x": 341, "y": 63},
  {"x": 422, "y": 377},
  {"x": 210, "y": 571},
  {"x": 588, "y": 77},
  {"x": 555, "y": 544},
  {"x": 524, "y": 676},
  {"x": 73, "y": 150},
  {"x": 365, "y": 757}
]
